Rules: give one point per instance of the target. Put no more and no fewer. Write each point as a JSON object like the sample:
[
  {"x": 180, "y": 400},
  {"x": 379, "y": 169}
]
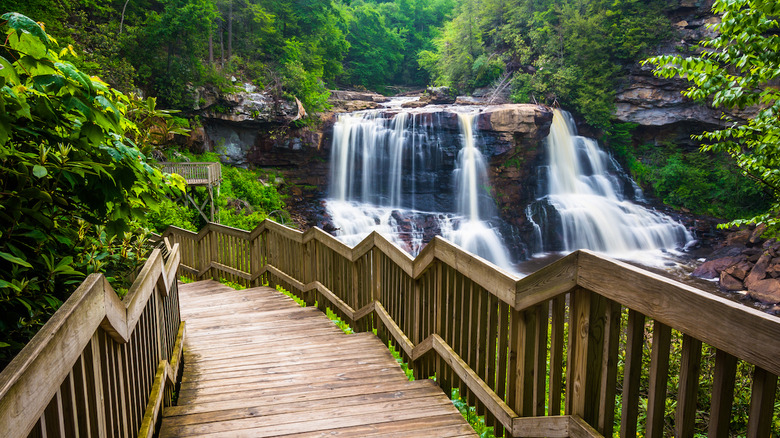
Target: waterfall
[
  {"x": 395, "y": 171},
  {"x": 587, "y": 202},
  {"x": 474, "y": 201}
]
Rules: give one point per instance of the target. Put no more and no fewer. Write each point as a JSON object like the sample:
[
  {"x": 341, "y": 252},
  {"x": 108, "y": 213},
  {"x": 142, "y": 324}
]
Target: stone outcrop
[
  {"x": 514, "y": 134},
  {"x": 656, "y": 104},
  {"x": 247, "y": 106},
  {"x": 438, "y": 96},
  {"x": 746, "y": 262},
  {"x": 350, "y": 101}
]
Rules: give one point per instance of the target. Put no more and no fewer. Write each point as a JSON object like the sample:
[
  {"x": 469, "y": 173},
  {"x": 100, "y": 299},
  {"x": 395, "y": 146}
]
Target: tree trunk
[
  {"x": 122, "y": 21},
  {"x": 230, "y": 30},
  {"x": 221, "y": 44}
]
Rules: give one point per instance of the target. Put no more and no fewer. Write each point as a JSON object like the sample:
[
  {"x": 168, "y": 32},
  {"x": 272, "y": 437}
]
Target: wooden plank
[
  {"x": 553, "y": 280},
  {"x": 761, "y": 403},
  {"x": 687, "y": 392},
  {"x": 557, "y": 328},
  {"x": 722, "y": 394},
  {"x": 577, "y": 368},
  {"x": 322, "y": 420},
  {"x": 659, "y": 375},
  {"x": 550, "y": 427},
  {"x": 635, "y": 335},
  {"x": 492, "y": 278},
  {"x": 609, "y": 369}
]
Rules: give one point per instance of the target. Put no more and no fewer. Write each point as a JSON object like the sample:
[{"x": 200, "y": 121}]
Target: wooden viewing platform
[
  {"x": 197, "y": 174},
  {"x": 257, "y": 365}
]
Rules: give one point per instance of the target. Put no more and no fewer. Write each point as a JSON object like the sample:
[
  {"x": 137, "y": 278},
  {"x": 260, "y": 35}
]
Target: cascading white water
[
  {"x": 473, "y": 234},
  {"x": 389, "y": 174},
  {"x": 585, "y": 206}
]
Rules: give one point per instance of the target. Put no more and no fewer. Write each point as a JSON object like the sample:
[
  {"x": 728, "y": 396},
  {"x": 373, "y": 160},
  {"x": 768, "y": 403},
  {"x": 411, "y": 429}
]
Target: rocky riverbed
[{"x": 746, "y": 263}]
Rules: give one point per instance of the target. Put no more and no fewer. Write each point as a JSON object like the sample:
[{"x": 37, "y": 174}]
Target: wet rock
[
  {"x": 439, "y": 96},
  {"x": 728, "y": 282},
  {"x": 758, "y": 273},
  {"x": 739, "y": 271},
  {"x": 414, "y": 104},
  {"x": 740, "y": 237},
  {"x": 336, "y": 95},
  {"x": 713, "y": 268},
  {"x": 755, "y": 236},
  {"x": 766, "y": 291}
]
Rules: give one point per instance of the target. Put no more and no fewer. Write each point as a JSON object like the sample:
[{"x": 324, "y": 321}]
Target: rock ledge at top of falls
[
  {"x": 348, "y": 101},
  {"x": 530, "y": 119},
  {"x": 247, "y": 106}
]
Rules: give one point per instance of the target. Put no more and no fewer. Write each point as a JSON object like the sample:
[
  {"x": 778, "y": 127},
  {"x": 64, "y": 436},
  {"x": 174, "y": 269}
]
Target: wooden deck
[{"x": 256, "y": 364}]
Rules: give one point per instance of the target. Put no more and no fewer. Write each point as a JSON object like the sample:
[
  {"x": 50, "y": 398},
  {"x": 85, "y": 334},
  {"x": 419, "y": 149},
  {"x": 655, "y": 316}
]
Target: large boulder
[
  {"x": 528, "y": 119},
  {"x": 439, "y": 96},
  {"x": 712, "y": 268}
]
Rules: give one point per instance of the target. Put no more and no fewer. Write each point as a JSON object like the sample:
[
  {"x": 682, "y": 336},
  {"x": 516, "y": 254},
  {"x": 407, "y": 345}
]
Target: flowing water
[
  {"x": 587, "y": 202},
  {"x": 399, "y": 172},
  {"x": 411, "y": 174}
]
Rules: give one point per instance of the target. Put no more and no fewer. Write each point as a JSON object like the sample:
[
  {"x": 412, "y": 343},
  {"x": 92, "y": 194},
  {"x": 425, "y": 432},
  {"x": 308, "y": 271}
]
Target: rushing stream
[{"x": 412, "y": 173}]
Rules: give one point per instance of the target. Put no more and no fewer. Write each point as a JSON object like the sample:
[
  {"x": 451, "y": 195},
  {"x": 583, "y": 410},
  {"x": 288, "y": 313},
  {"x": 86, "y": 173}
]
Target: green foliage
[
  {"x": 565, "y": 52},
  {"x": 290, "y": 294},
  {"x": 250, "y": 187},
  {"x": 706, "y": 184},
  {"x": 375, "y": 52},
  {"x": 339, "y": 323},
  {"x": 74, "y": 189},
  {"x": 738, "y": 69},
  {"x": 234, "y": 285},
  {"x": 476, "y": 421}
]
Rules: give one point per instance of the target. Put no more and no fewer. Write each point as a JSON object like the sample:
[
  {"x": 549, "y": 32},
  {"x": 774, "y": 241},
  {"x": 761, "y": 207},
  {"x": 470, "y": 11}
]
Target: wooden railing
[
  {"x": 101, "y": 366},
  {"x": 195, "y": 173},
  {"x": 554, "y": 354}
]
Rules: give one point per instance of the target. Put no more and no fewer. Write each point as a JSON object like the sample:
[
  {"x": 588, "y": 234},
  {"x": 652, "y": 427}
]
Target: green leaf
[
  {"x": 3, "y": 345},
  {"x": 7, "y": 71},
  {"x": 4, "y": 284},
  {"x": 72, "y": 72},
  {"x": 40, "y": 171},
  {"x": 22, "y": 23},
  {"x": 13, "y": 259}
]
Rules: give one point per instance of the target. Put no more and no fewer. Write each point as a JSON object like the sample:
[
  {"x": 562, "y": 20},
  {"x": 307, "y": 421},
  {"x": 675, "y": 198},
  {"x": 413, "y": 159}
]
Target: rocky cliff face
[{"x": 656, "y": 104}]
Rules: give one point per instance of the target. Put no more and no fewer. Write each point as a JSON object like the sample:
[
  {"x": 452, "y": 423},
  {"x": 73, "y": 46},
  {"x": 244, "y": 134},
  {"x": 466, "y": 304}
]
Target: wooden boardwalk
[{"x": 257, "y": 365}]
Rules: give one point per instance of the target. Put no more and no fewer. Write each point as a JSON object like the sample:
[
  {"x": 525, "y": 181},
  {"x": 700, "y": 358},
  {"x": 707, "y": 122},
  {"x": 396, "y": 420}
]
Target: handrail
[
  {"x": 504, "y": 340},
  {"x": 92, "y": 367}
]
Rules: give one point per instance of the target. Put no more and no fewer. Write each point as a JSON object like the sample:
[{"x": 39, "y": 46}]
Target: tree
[
  {"x": 739, "y": 69},
  {"x": 74, "y": 189}
]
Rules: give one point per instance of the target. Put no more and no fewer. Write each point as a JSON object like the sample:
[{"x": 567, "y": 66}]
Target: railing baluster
[
  {"x": 609, "y": 369},
  {"x": 722, "y": 394},
  {"x": 762, "y": 403},
  {"x": 558, "y": 325},
  {"x": 635, "y": 336},
  {"x": 687, "y": 393},
  {"x": 659, "y": 375}
]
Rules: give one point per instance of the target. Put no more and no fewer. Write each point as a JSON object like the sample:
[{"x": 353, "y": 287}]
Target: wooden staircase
[{"x": 257, "y": 364}]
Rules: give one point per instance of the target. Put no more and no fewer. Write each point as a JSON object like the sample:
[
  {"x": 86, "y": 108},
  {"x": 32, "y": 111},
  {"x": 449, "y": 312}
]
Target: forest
[{"x": 566, "y": 52}]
